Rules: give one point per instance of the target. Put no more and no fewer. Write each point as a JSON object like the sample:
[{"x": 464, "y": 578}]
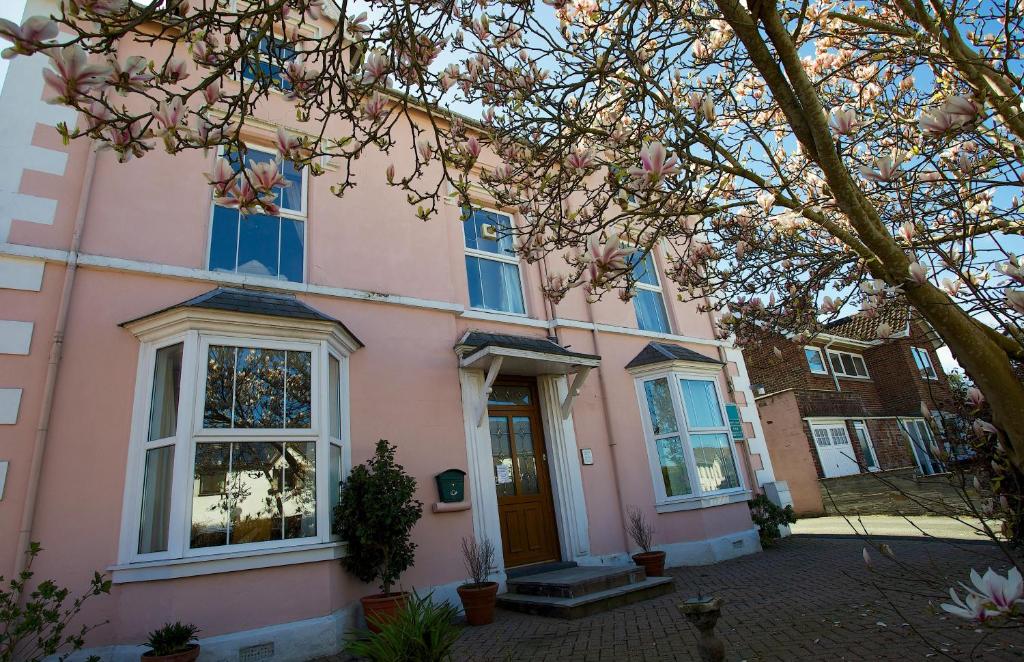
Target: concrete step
[
  {"x": 538, "y": 568},
  {"x": 576, "y": 582},
  {"x": 587, "y": 605}
]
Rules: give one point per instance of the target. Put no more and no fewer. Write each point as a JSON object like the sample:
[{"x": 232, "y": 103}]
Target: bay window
[
  {"x": 239, "y": 442},
  {"x": 688, "y": 438}
]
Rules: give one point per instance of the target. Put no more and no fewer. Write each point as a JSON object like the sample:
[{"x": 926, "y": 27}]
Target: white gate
[{"x": 835, "y": 450}]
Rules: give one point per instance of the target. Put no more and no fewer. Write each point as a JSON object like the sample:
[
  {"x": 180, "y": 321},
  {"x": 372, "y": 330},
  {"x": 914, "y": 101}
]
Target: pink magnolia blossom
[
  {"x": 176, "y": 70},
  {"x": 503, "y": 172},
  {"x": 375, "y": 68},
  {"x": 169, "y": 115},
  {"x": 132, "y": 76},
  {"x": 389, "y": 172},
  {"x": 700, "y": 50},
  {"x": 375, "y": 107},
  {"x": 1001, "y": 593},
  {"x": 907, "y": 232},
  {"x": 694, "y": 100},
  {"x": 843, "y": 121},
  {"x": 601, "y": 258},
  {"x": 471, "y": 147},
  {"x": 930, "y": 176},
  {"x": 1015, "y": 298},
  {"x": 982, "y": 429},
  {"x": 222, "y": 178},
  {"x": 952, "y": 287},
  {"x": 971, "y": 608},
  {"x": 655, "y": 165},
  {"x": 290, "y": 146},
  {"x": 828, "y": 305},
  {"x": 26, "y": 37},
  {"x": 211, "y": 93},
  {"x": 887, "y": 168},
  {"x": 741, "y": 249},
  {"x": 424, "y": 149},
  {"x": 581, "y": 158},
  {"x": 884, "y": 331},
  {"x": 975, "y": 397},
  {"x": 266, "y": 175},
  {"x": 126, "y": 141},
  {"x": 918, "y": 273},
  {"x": 765, "y": 200},
  {"x": 72, "y": 75},
  {"x": 953, "y": 113}
]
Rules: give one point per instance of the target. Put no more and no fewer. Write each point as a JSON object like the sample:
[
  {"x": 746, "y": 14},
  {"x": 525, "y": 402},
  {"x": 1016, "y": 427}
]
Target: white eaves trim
[{"x": 219, "y": 278}]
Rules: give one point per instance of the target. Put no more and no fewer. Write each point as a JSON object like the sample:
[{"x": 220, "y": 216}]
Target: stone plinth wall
[{"x": 895, "y": 492}]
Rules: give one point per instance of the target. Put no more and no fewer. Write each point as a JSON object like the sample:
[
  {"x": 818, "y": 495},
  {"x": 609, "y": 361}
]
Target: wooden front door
[{"x": 525, "y": 506}]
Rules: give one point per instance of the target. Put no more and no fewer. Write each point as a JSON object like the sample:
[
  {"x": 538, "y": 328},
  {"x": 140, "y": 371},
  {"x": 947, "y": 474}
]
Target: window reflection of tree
[
  {"x": 268, "y": 494},
  {"x": 251, "y": 388},
  {"x": 673, "y": 464}
]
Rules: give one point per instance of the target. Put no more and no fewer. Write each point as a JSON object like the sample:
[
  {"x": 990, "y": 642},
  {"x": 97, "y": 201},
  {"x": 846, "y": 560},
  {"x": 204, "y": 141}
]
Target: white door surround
[{"x": 563, "y": 466}]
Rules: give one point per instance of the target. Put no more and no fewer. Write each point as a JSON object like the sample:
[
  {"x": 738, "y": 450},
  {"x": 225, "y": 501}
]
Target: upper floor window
[
  {"x": 648, "y": 301},
  {"x": 688, "y": 438},
  {"x": 923, "y": 360},
  {"x": 846, "y": 364},
  {"x": 816, "y": 360},
  {"x": 492, "y": 266},
  {"x": 240, "y": 444},
  {"x": 273, "y": 246},
  {"x": 268, "y": 63}
]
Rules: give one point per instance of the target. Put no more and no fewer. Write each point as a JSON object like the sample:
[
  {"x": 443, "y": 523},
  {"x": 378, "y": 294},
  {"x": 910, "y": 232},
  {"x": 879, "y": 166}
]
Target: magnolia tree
[{"x": 793, "y": 159}]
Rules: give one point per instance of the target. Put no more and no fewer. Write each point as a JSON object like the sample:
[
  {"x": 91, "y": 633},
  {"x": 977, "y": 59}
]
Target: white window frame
[
  {"x": 921, "y": 355},
  {"x": 189, "y": 432},
  {"x": 293, "y": 214},
  {"x": 697, "y": 497},
  {"x": 862, "y": 426},
  {"x": 919, "y": 423},
  {"x": 496, "y": 257},
  {"x": 661, "y": 296},
  {"x": 821, "y": 355},
  {"x": 843, "y": 373}
]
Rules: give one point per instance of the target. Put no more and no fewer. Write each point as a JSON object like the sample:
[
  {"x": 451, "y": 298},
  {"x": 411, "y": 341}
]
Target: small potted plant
[
  {"x": 174, "y": 642},
  {"x": 478, "y": 596},
  {"x": 642, "y": 533},
  {"x": 375, "y": 516}
]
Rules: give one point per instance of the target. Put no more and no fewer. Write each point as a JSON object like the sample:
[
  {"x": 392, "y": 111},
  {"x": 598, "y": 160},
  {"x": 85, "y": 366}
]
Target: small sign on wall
[
  {"x": 587, "y": 456},
  {"x": 735, "y": 422}
]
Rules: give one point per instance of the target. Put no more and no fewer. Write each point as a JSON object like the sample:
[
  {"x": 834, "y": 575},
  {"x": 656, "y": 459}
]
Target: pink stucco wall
[
  {"x": 790, "y": 450},
  {"x": 404, "y": 383}
]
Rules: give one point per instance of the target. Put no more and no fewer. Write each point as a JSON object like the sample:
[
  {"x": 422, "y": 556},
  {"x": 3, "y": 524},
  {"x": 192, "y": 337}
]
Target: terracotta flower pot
[
  {"x": 187, "y": 655},
  {"x": 478, "y": 602},
  {"x": 653, "y": 563},
  {"x": 382, "y": 607}
]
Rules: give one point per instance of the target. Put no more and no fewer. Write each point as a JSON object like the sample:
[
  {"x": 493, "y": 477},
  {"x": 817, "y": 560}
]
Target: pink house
[{"x": 219, "y": 376}]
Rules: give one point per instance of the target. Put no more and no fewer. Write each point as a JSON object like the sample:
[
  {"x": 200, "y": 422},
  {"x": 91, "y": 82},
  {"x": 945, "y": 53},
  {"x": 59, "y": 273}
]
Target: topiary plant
[
  {"x": 769, "y": 517},
  {"x": 375, "y": 516}
]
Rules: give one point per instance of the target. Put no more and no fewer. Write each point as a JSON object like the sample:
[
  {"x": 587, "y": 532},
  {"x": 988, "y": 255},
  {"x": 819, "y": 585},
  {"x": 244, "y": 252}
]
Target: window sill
[
  {"x": 146, "y": 571},
  {"x": 855, "y": 378},
  {"x": 696, "y": 503},
  {"x": 503, "y": 316}
]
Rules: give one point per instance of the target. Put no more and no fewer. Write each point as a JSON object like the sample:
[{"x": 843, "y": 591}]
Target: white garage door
[{"x": 835, "y": 450}]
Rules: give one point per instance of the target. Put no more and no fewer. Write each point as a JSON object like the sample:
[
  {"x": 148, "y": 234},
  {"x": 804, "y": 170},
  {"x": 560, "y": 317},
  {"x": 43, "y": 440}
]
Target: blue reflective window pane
[
  {"x": 476, "y": 294},
  {"x": 291, "y": 197},
  {"x": 258, "y": 237},
  {"x": 472, "y": 227},
  {"x": 223, "y": 239},
  {"x": 293, "y": 249},
  {"x": 491, "y": 284},
  {"x": 701, "y": 400},
  {"x": 650, "y": 311},
  {"x": 644, "y": 270},
  {"x": 659, "y": 404}
]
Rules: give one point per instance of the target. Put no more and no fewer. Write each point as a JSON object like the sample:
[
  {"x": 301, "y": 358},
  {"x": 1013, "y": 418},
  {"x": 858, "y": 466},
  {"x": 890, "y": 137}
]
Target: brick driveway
[{"x": 807, "y": 598}]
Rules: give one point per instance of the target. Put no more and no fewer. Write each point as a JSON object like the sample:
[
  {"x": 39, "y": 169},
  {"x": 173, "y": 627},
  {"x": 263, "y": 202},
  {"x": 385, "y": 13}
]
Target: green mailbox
[{"x": 451, "y": 485}]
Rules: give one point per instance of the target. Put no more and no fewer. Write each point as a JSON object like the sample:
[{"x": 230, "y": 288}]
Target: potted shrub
[
  {"x": 422, "y": 630},
  {"x": 375, "y": 516},
  {"x": 642, "y": 533},
  {"x": 478, "y": 596},
  {"x": 174, "y": 642}
]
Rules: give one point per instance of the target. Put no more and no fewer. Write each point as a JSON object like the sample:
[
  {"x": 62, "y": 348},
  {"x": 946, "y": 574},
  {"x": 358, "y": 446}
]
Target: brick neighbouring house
[{"x": 846, "y": 390}]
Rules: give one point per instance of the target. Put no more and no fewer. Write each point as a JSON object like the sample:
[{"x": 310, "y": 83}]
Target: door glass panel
[
  {"x": 501, "y": 454},
  {"x": 865, "y": 446},
  {"x": 509, "y": 395},
  {"x": 659, "y": 404},
  {"x": 702, "y": 410},
  {"x": 163, "y": 411},
  {"x": 672, "y": 459},
  {"x": 715, "y": 467},
  {"x": 526, "y": 459},
  {"x": 821, "y": 437}
]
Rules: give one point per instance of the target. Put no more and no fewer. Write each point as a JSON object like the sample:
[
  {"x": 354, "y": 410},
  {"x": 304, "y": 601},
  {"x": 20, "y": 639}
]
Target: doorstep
[{"x": 582, "y": 591}]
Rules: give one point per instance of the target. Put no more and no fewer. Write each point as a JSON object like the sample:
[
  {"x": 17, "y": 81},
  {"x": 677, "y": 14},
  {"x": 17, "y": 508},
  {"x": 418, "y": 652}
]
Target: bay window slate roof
[
  {"x": 254, "y": 302},
  {"x": 659, "y": 352},
  {"x": 482, "y": 339}
]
